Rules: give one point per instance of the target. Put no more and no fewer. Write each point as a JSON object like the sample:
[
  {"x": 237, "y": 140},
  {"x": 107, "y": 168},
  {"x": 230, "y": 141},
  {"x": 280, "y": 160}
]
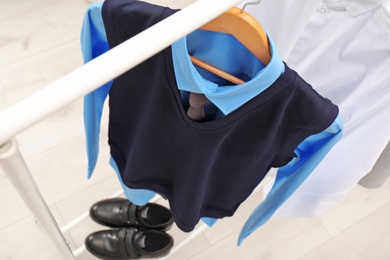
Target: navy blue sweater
[{"x": 204, "y": 169}]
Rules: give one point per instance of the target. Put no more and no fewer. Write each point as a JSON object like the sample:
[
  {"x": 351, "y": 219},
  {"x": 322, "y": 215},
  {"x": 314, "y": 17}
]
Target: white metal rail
[{"x": 78, "y": 83}]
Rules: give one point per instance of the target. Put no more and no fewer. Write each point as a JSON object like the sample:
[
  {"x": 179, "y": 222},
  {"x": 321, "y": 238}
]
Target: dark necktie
[{"x": 196, "y": 110}]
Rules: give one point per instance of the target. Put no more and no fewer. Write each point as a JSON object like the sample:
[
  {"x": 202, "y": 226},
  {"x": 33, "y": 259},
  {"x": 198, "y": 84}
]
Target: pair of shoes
[
  {"x": 139, "y": 230},
  {"x": 129, "y": 243},
  {"x": 120, "y": 212}
]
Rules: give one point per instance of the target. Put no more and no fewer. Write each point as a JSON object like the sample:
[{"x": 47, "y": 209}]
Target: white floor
[{"x": 39, "y": 42}]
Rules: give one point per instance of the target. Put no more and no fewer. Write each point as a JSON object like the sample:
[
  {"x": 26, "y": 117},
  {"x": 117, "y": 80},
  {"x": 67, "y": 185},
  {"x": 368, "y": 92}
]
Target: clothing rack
[{"x": 78, "y": 83}]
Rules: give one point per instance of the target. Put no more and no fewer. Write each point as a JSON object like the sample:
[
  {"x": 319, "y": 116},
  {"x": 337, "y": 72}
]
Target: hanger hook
[{"x": 250, "y": 3}]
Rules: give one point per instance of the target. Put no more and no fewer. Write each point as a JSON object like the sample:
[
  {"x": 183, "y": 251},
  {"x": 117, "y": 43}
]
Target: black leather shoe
[
  {"x": 120, "y": 212},
  {"x": 128, "y": 243}
]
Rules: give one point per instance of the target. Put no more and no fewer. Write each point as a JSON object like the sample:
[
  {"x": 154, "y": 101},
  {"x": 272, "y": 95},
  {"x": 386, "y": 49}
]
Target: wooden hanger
[
  {"x": 216, "y": 71},
  {"x": 245, "y": 29}
]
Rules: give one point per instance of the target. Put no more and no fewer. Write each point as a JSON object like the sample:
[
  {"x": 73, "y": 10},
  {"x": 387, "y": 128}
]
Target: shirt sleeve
[
  {"x": 289, "y": 177},
  {"x": 93, "y": 43}
]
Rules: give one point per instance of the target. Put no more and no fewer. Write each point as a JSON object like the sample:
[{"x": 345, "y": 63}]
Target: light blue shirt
[{"x": 226, "y": 98}]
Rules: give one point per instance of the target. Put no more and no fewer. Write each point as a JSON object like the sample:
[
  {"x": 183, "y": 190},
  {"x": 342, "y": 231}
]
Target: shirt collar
[
  {"x": 227, "y": 98},
  {"x": 358, "y": 7}
]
